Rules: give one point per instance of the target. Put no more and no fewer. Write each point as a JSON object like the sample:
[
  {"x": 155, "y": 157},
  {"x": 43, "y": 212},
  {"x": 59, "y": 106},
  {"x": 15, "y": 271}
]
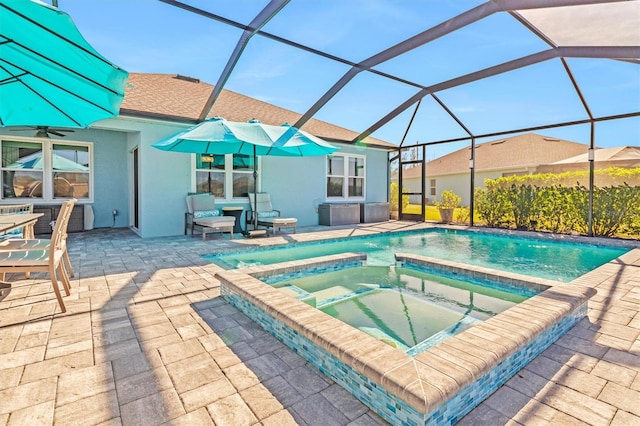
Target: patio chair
[
  {"x": 203, "y": 216},
  {"x": 267, "y": 215},
  {"x": 31, "y": 243},
  {"x": 49, "y": 260},
  {"x": 34, "y": 190}
]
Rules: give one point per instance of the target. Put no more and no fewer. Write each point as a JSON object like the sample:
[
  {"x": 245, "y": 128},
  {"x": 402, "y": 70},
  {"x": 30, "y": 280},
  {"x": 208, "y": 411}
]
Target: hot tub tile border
[{"x": 415, "y": 399}]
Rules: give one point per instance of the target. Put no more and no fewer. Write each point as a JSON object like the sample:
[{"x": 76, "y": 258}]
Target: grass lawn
[{"x": 433, "y": 213}]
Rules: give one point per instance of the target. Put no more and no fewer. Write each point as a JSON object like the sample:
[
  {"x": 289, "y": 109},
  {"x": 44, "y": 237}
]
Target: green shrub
[
  {"x": 491, "y": 205},
  {"x": 448, "y": 200},
  {"x": 393, "y": 198}
]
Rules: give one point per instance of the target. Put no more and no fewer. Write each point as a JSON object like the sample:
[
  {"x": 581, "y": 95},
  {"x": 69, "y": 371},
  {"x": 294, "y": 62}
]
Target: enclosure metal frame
[{"x": 624, "y": 53}]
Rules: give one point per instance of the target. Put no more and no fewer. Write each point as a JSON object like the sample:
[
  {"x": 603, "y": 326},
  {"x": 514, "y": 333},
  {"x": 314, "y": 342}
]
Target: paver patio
[{"x": 148, "y": 340}]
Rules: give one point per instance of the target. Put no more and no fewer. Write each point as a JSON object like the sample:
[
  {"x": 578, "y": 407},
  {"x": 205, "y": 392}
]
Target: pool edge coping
[{"x": 429, "y": 379}]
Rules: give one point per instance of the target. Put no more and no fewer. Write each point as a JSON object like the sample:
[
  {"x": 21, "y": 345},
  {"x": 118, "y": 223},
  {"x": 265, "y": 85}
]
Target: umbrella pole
[{"x": 255, "y": 189}]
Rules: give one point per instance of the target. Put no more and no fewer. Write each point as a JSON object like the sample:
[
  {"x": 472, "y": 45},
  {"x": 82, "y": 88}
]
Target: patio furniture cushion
[
  {"x": 216, "y": 224},
  {"x": 28, "y": 257},
  {"x": 279, "y": 222},
  {"x": 216, "y": 221},
  {"x": 199, "y": 214},
  {"x": 284, "y": 222},
  {"x": 267, "y": 215},
  {"x": 203, "y": 202}
]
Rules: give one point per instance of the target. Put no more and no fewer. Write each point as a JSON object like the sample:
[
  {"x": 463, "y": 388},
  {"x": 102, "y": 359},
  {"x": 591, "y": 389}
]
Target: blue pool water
[
  {"x": 411, "y": 309},
  {"x": 556, "y": 260}
]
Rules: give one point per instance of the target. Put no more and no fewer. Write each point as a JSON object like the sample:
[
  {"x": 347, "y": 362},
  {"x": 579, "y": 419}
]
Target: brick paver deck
[{"x": 147, "y": 340}]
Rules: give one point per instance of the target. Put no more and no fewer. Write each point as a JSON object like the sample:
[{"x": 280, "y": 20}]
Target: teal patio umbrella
[
  {"x": 219, "y": 136},
  {"x": 35, "y": 161},
  {"x": 49, "y": 74}
]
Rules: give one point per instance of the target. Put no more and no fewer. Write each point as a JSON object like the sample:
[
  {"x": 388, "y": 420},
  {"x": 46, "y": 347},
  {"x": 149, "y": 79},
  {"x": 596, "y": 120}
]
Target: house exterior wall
[
  {"x": 109, "y": 176},
  {"x": 109, "y": 170},
  {"x": 164, "y": 177},
  {"x": 297, "y": 184}
]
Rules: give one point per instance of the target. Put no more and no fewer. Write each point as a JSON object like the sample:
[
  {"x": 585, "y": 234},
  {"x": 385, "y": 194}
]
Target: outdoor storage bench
[
  {"x": 339, "y": 214},
  {"x": 374, "y": 212}
]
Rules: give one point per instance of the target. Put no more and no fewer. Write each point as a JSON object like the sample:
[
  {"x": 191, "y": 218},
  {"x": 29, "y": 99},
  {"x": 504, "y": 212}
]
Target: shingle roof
[
  {"x": 527, "y": 150},
  {"x": 178, "y": 98},
  {"x": 619, "y": 153}
]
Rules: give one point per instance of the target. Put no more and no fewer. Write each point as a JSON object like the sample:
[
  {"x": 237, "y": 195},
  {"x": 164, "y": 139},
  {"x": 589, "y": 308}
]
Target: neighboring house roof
[
  {"x": 528, "y": 150},
  {"x": 619, "y": 153},
  {"x": 621, "y": 156},
  {"x": 179, "y": 98}
]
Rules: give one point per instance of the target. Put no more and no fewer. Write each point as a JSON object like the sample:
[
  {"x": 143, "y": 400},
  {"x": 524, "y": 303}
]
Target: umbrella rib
[
  {"x": 13, "y": 78},
  {"x": 97, "y": 83},
  {"x": 47, "y": 100},
  {"x": 18, "y": 78}
]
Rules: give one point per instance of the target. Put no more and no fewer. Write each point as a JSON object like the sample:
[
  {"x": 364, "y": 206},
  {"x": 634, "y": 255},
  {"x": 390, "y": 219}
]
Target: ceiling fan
[{"x": 45, "y": 131}]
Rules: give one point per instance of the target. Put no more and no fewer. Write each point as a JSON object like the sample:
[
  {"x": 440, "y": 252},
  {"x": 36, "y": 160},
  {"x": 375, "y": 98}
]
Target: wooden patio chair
[{"x": 49, "y": 260}]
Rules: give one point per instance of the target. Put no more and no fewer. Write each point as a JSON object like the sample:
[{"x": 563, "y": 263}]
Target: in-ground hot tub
[{"x": 438, "y": 385}]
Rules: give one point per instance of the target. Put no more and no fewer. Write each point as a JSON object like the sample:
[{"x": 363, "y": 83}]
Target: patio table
[
  {"x": 235, "y": 211},
  {"x": 9, "y": 222}
]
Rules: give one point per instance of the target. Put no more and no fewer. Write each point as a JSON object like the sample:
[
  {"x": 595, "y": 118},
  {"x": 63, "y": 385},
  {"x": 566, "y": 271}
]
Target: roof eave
[{"x": 158, "y": 116}]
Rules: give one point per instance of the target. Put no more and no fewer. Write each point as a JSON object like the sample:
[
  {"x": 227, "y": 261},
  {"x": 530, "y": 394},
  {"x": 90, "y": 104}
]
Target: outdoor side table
[{"x": 236, "y": 212}]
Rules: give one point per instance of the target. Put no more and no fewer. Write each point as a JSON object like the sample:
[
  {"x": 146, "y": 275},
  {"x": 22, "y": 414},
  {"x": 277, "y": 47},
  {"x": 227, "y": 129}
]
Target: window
[
  {"x": 432, "y": 184},
  {"x": 346, "y": 177},
  {"x": 45, "y": 170},
  {"x": 210, "y": 174},
  {"x": 217, "y": 173},
  {"x": 70, "y": 171}
]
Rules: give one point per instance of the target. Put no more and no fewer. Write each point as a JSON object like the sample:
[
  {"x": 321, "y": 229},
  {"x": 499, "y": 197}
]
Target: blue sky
[{"x": 150, "y": 36}]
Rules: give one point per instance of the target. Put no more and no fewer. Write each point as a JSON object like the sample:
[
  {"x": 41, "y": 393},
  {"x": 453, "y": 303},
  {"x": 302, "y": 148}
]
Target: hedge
[{"x": 558, "y": 202}]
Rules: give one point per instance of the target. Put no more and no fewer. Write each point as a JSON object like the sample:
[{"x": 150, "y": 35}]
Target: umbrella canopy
[
  {"x": 219, "y": 136},
  {"x": 294, "y": 142},
  {"x": 50, "y": 73},
  {"x": 35, "y": 161}
]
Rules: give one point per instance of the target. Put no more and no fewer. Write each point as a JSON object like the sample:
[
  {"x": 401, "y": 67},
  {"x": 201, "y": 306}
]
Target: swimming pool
[
  {"x": 407, "y": 308},
  {"x": 537, "y": 257}
]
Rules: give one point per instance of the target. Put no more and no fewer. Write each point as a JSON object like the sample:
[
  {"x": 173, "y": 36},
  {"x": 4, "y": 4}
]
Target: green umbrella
[{"x": 49, "y": 74}]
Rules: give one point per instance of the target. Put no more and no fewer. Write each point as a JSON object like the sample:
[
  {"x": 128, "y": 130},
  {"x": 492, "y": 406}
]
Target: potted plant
[{"x": 447, "y": 205}]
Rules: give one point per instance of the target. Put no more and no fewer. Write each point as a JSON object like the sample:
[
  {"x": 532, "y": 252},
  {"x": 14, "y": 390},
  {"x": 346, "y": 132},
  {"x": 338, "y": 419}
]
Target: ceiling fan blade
[{"x": 54, "y": 132}]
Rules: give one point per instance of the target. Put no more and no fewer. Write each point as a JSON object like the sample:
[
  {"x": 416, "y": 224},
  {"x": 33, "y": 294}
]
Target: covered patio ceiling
[{"x": 460, "y": 71}]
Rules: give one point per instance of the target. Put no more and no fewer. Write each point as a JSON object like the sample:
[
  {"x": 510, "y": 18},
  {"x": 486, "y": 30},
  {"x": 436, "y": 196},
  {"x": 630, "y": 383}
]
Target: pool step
[{"x": 299, "y": 294}]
